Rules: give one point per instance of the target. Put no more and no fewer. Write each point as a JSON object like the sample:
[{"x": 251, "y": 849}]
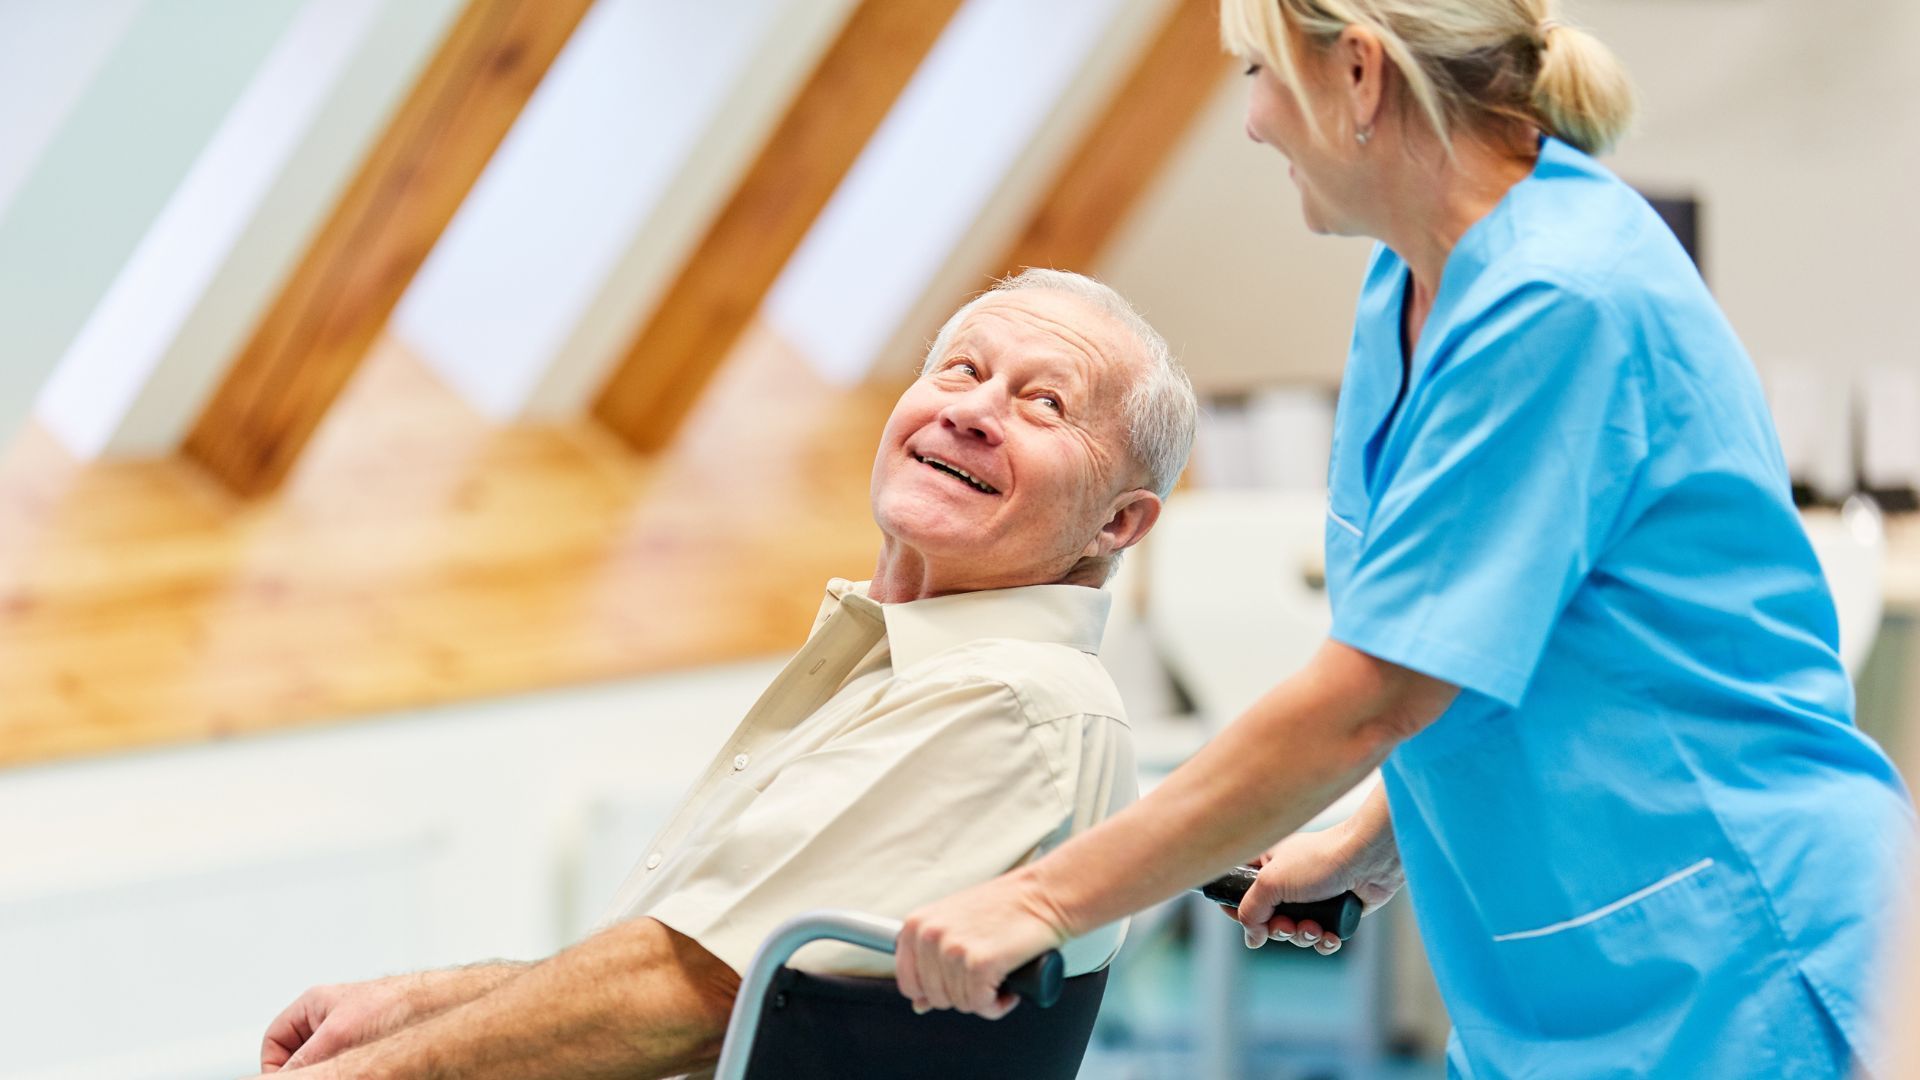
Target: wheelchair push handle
[
  {"x": 1040, "y": 980},
  {"x": 1338, "y": 915}
]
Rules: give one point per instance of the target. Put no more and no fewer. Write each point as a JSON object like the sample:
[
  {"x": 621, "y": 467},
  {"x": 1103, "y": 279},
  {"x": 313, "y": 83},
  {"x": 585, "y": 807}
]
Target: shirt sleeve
[
  {"x": 933, "y": 791},
  {"x": 1501, "y": 486}
]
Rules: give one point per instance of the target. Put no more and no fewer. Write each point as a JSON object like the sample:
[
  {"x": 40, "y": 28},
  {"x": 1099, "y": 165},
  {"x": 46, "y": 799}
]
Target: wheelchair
[{"x": 791, "y": 1025}]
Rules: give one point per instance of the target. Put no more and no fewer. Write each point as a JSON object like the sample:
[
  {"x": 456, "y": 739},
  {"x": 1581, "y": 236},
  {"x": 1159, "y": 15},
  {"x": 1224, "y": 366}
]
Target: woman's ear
[{"x": 1360, "y": 68}]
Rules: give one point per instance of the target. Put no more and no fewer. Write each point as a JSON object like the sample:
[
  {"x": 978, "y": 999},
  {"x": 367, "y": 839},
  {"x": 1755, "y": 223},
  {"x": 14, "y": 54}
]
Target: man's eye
[
  {"x": 963, "y": 366},
  {"x": 1050, "y": 402},
  {"x": 1252, "y": 69}
]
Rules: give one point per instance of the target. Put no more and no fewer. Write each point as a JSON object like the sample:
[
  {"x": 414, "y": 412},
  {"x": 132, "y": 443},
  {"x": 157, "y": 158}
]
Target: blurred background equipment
[{"x": 425, "y": 420}]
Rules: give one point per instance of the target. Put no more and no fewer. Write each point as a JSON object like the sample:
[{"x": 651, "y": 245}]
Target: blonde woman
[{"x": 1576, "y": 621}]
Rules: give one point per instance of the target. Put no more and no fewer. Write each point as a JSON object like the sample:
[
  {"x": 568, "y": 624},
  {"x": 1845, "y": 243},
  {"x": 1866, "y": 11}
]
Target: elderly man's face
[{"x": 1027, "y": 404}]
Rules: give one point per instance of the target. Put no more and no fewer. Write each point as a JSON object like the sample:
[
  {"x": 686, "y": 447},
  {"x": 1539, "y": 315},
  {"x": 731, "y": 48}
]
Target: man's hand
[
  {"x": 1357, "y": 856},
  {"x": 329, "y": 1019}
]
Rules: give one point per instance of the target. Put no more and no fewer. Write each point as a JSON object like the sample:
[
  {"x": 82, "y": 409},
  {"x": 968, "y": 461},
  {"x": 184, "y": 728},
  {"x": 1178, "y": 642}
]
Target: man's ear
[{"x": 1129, "y": 518}]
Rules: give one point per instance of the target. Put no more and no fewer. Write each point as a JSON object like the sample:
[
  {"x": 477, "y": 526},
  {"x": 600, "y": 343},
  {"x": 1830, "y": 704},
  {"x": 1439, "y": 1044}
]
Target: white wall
[
  {"x": 1216, "y": 258},
  {"x": 158, "y": 908},
  {"x": 100, "y": 179},
  {"x": 48, "y": 55},
  {"x": 1797, "y": 125}
]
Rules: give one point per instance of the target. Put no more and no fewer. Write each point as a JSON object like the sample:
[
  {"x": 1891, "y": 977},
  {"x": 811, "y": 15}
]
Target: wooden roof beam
[
  {"x": 315, "y": 334},
  {"x": 1127, "y": 147},
  {"x": 157, "y": 344},
  {"x": 1115, "y": 129},
  {"x": 720, "y": 286},
  {"x": 570, "y": 237}
]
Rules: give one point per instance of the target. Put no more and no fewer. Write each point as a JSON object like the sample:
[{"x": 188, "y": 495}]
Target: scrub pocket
[
  {"x": 1681, "y": 978},
  {"x": 1600, "y": 970}
]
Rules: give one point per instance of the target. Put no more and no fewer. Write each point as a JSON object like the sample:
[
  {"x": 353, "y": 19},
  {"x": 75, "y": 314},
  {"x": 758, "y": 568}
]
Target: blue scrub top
[{"x": 1647, "y": 838}]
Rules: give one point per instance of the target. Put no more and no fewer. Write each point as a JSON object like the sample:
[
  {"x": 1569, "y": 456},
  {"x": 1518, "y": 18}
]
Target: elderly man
[{"x": 944, "y": 723}]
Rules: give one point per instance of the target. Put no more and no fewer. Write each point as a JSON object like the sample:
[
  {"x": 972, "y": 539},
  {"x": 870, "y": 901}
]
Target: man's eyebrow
[
  {"x": 1066, "y": 367},
  {"x": 1074, "y": 380},
  {"x": 961, "y": 343}
]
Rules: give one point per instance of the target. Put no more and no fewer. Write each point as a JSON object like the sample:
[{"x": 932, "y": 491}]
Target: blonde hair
[{"x": 1464, "y": 62}]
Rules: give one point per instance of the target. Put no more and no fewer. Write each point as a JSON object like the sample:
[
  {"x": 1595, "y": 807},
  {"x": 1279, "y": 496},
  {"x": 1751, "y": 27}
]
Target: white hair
[{"x": 1160, "y": 409}]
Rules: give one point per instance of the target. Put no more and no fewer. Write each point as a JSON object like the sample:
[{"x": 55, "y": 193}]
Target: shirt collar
[{"x": 1070, "y": 615}]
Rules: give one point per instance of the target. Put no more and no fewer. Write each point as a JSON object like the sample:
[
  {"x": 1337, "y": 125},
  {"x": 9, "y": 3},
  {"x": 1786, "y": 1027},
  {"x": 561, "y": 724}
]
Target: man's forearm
[
  {"x": 634, "y": 1000},
  {"x": 430, "y": 993},
  {"x": 1302, "y": 745}
]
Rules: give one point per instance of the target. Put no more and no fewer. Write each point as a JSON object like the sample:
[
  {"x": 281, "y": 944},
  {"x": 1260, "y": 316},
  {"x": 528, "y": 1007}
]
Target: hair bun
[{"x": 1582, "y": 94}]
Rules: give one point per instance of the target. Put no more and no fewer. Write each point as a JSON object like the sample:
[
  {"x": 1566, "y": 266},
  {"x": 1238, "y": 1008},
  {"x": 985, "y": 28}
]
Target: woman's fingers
[
  {"x": 982, "y": 990},
  {"x": 933, "y": 975},
  {"x": 1001, "y": 1005},
  {"x": 963, "y": 947},
  {"x": 1305, "y": 935},
  {"x": 1256, "y": 933},
  {"x": 906, "y": 969}
]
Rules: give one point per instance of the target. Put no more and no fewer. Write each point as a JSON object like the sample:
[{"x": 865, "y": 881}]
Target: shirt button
[
  {"x": 739, "y": 762},
  {"x": 653, "y": 860}
]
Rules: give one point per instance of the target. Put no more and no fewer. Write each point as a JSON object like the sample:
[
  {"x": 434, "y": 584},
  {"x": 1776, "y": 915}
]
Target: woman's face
[{"x": 1322, "y": 167}]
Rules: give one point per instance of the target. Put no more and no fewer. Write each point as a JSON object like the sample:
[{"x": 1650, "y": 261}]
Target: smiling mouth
[{"x": 957, "y": 473}]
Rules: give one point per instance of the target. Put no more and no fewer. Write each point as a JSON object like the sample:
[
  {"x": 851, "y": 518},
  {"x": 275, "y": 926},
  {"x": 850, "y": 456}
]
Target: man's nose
[{"x": 975, "y": 414}]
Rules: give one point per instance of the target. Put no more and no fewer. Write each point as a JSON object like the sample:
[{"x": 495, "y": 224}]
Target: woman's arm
[
  {"x": 1301, "y": 746},
  {"x": 1298, "y": 748}
]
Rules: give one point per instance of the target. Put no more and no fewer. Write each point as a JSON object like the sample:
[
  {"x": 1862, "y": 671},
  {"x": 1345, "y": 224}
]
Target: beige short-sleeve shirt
[{"x": 906, "y": 752}]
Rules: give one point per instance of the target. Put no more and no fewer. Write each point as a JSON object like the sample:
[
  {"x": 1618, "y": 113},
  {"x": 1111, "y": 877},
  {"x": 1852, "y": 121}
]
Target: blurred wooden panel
[
  {"x": 718, "y": 290},
  {"x": 422, "y": 555},
  {"x": 332, "y": 307},
  {"x": 1126, "y": 147}
]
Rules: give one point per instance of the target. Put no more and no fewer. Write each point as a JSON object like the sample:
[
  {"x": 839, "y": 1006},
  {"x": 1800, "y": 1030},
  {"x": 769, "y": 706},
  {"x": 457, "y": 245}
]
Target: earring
[{"x": 1363, "y": 135}]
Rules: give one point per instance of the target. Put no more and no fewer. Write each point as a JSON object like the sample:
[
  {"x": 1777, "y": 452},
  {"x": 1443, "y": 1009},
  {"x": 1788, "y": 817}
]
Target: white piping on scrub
[
  {"x": 1345, "y": 524},
  {"x": 1600, "y": 913}
]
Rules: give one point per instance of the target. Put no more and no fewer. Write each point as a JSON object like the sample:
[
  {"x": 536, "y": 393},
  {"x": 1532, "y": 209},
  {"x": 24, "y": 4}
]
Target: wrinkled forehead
[{"x": 1056, "y": 332}]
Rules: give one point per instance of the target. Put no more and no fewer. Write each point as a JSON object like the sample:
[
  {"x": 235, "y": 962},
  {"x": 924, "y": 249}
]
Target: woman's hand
[
  {"x": 955, "y": 953},
  {"x": 1356, "y": 856}
]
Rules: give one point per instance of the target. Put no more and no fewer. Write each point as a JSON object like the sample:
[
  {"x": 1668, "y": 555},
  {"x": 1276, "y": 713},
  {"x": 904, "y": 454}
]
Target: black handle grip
[
  {"x": 1039, "y": 980},
  {"x": 1339, "y": 915}
]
